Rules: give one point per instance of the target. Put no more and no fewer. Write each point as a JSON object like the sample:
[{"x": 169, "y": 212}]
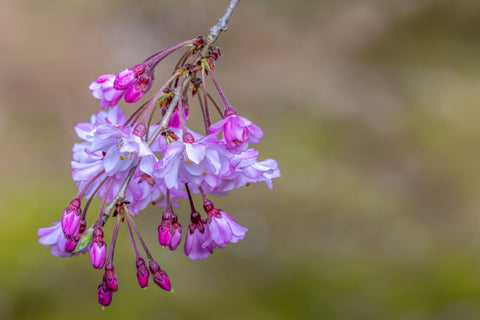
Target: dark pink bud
[
  {"x": 165, "y": 228},
  {"x": 169, "y": 231},
  {"x": 160, "y": 277},
  {"x": 98, "y": 252},
  {"x": 142, "y": 273},
  {"x": 71, "y": 219},
  {"x": 111, "y": 277},
  {"x": 104, "y": 294},
  {"x": 140, "y": 130},
  {"x": 164, "y": 234}
]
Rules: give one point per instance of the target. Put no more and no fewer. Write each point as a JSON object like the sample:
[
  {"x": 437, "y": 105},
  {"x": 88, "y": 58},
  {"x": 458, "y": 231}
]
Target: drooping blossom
[
  {"x": 194, "y": 248},
  {"x": 221, "y": 228},
  {"x": 246, "y": 169},
  {"x": 237, "y": 131}
]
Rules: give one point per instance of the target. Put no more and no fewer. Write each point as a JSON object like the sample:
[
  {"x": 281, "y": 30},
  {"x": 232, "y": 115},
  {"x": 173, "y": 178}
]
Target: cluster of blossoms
[{"x": 130, "y": 163}]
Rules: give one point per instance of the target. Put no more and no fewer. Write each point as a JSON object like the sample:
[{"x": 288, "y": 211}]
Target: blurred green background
[{"x": 370, "y": 107}]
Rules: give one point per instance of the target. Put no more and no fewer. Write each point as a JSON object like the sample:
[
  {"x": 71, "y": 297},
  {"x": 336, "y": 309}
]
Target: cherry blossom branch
[
  {"x": 162, "y": 54},
  {"x": 164, "y": 123},
  {"x": 119, "y": 196},
  {"x": 222, "y": 25}
]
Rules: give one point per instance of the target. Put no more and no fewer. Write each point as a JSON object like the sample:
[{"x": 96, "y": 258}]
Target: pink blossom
[
  {"x": 104, "y": 90},
  {"x": 141, "y": 191},
  {"x": 87, "y": 164},
  {"x": 221, "y": 229},
  {"x": 237, "y": 131},
  {"x": 195, "y": 239},
  {"x": 244, "y": 169},
  {"x": 203, "y": 161},
  {"x": 123, "y": 149},
  {"x": 53, "y": 237}
]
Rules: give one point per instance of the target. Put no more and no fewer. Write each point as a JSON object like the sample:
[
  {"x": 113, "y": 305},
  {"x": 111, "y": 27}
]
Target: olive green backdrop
[{"x": 371, "y": 109}]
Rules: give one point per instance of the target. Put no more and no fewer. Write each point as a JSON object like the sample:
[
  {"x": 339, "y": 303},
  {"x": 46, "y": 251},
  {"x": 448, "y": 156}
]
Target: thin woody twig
[{"x": 222, "y": 25}]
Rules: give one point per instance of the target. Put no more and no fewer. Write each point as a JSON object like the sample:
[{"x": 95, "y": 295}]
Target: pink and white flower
[
  {"x": 221, "y": 228},
  {"x": 54, "y": 238},
  {"x": 104, "y": 90},
  {"x": 237, "y": 131},
  {"x": 196, "y": 238},
  {"x": 203, "y": 161}
]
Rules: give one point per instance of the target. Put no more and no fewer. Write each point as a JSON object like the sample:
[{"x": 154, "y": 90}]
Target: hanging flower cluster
[{"x": 132, "y": 162}]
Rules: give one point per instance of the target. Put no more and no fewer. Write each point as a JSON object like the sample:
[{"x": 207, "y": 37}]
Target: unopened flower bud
[
  {"x": 142, "y": 85},
  {"x": 169, "y": 230},
  {"x": 160, "y": 277},
  {"x": 98, "y": 250},
  {"x": 142, "y": 273},
  {"x": 104, "y": 294},
  {"x": 124, "y": 79},
  {"x": 71, "y": 219},
  {"x": 164, "y": 234},
  {"x": 165, "y": 229},
  {"x": 111, "y": 277}
]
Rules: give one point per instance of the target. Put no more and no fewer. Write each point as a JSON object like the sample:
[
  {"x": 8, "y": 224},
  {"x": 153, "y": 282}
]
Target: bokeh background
[{"x": 371, "y": 109}]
